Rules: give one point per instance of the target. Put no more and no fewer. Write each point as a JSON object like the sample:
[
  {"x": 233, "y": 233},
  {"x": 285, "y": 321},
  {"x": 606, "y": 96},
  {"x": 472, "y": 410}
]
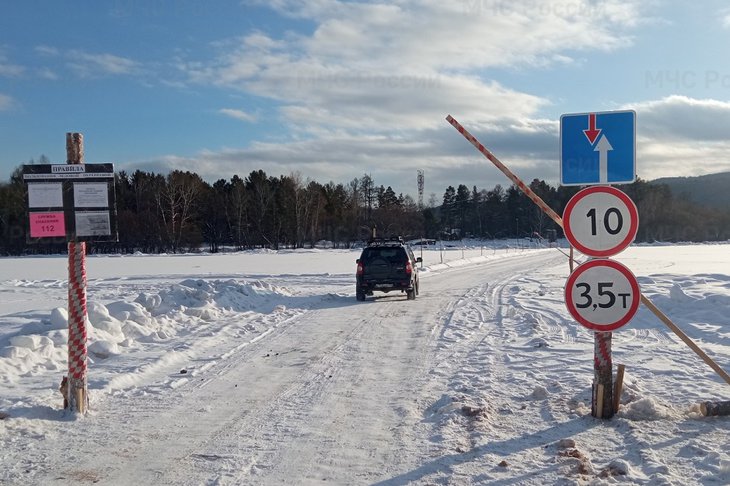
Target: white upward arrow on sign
[{"x": 603, "y": 147}]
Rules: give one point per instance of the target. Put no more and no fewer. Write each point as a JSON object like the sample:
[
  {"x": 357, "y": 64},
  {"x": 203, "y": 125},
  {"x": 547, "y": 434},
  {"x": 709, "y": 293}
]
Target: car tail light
[
  {"x": 359, "y": 269},
  {"x": 409, "y": 269}
]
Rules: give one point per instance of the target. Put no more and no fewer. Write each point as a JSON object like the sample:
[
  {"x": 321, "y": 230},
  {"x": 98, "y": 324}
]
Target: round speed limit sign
[
  {"x": 602, "y": 295},
  {"x": 600, "y": 221}
]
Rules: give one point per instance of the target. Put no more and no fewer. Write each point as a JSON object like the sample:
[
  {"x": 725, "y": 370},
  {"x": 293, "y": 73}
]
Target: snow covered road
[{"x": 287, "y": 379}]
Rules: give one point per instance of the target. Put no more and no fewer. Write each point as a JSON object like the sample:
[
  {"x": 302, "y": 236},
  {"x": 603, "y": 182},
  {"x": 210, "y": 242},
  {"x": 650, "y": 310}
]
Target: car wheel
[{"x": 359, "y": 294}]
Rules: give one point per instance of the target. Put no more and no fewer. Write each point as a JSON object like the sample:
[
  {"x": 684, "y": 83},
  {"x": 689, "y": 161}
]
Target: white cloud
[
  {"x": 683, "y": 118},
  {"x": 8, "y": 69},
  {"x": 677, "y": 136},
  {"x": 237, "y": 114},
  {"x": 11, "y": 70},
  {"x": 682, "y": 136},
  {"x": 87, "y": 65},
  {"x": 47, "y": 50},
  {"x": 374, "y": 68},
  {"x": 368, "y": 88},
  {"x": 391, "y": 159},
  {"x": 724, "y": 16},
  {"x": 6, "y": 102},
  {"x": 47, "y": 73}
]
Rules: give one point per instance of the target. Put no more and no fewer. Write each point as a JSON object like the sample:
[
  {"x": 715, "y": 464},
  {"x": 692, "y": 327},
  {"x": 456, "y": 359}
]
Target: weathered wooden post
[
  {"x": 570, "y": 259},
  {"x": 603, "y": 404},
  {"x": 618, "y": 387},
  {"x": 77, "y": 391},
  {"x": 712, "y": 409}
]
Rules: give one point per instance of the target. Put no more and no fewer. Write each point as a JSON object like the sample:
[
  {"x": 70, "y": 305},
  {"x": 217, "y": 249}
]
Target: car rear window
[{"x": 390, "y": 254}]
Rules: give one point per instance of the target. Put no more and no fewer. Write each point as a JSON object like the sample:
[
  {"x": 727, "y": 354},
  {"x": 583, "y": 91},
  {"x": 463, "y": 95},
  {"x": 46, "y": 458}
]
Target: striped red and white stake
[
  {"x": 602, "y": 350},
  {"x": 77, "y": 389},
  {"x": 77, "y": 326}
]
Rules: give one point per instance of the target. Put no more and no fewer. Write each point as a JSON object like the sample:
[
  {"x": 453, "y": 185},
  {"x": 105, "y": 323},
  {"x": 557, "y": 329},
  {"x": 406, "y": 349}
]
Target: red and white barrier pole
[{"x": 77, "y": 391}]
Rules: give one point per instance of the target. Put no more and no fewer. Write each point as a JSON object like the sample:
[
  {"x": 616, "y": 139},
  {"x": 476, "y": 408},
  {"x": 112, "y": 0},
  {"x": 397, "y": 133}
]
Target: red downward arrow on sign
[{"x": 592, "y": 133}]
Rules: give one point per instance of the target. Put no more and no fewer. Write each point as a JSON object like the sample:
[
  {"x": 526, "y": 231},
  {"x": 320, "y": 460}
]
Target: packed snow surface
[{"x": 262, "y": 368}]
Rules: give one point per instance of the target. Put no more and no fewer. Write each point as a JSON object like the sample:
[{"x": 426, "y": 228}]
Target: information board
[{"x": 71, "y": 202}]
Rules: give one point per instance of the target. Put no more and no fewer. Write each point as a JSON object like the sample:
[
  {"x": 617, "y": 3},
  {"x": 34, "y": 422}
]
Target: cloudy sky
[{"x": 334, "y": 89}]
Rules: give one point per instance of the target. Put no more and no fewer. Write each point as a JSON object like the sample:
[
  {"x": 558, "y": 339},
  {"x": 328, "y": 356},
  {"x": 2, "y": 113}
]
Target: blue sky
[{"x": 334, "y": 89}]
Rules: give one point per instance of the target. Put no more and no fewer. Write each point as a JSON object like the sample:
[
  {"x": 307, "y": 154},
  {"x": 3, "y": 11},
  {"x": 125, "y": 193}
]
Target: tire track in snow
[
  {"x": 494, "y": 337},
  {"x": 355, "y": 427}
]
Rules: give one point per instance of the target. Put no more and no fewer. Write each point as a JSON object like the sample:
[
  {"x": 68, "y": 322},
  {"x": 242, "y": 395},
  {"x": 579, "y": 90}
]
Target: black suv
[{"x": 387, "y": 264}]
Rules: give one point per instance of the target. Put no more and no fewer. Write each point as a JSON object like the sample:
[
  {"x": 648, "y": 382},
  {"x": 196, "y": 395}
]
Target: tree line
[{"x": 180, "y": 212}]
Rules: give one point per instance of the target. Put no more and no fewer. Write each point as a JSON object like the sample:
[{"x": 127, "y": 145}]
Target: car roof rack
[{"x": 386, "y": 241}]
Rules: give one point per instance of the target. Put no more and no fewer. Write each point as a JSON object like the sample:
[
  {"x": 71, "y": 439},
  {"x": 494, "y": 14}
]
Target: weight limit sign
[{"x": 602, "y": 295}]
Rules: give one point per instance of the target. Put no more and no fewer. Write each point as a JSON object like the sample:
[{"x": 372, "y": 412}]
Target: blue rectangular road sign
[{"x": 598, "y": 148}]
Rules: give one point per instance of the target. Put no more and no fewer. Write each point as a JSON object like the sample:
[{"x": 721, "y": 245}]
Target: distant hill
[{"x": 711, "y": 190}]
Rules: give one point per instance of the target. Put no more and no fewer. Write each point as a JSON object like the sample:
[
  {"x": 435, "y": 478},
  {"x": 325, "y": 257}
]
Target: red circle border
[
  {"x": 616, "y": 266},
  {"x": 633, "y": 228}
]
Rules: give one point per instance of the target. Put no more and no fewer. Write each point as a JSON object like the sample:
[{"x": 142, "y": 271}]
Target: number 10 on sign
[{"x": 600, "y": 221}]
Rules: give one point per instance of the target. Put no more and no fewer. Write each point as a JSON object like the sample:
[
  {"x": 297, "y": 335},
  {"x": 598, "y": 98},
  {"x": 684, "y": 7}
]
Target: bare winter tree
[{"x": 176, "y": 203}]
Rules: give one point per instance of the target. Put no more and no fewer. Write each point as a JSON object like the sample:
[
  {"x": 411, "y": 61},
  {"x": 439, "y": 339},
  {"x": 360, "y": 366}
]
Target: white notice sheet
[
  {"x": 45, "y": 195},
  {"x": 91, "y": 195},
  {"x": 93, "y": 223}
]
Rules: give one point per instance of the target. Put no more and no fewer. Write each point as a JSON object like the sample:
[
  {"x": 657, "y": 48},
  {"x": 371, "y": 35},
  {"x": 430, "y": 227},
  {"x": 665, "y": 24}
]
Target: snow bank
[{"x": 117, "y": 328}]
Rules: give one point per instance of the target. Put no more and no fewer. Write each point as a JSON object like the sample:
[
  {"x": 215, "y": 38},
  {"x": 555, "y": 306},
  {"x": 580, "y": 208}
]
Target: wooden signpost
[{"x": 73, "y": 202}]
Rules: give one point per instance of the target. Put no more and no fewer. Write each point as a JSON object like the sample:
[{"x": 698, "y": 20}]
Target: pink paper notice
[{"x": 46, "y": 225}]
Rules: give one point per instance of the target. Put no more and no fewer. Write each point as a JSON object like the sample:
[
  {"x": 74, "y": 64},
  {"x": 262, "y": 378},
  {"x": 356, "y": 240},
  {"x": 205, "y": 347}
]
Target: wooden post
[
  {"x": 599, "y": 401},
  {"x": 421, "y": 252},
  {"x": 619, "y": 387},
  {"x": 74, "y": 148},
  {"x": 710, "y": 409},
  {"x": 602, "y": 406},
  {"x": 570, "y": 260},
  {"x": 77, "y": 392}
]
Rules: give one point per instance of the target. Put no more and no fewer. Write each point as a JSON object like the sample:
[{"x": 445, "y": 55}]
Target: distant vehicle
[
  {"x": 422, "y": 242},
  {"x": 386, "y": 265}
]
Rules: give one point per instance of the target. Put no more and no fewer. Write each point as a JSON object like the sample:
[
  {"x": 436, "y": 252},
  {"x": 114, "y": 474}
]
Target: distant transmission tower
[{"x": 420, "y": 189}]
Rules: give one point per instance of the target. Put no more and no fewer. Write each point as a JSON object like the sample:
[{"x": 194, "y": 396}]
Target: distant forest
[{"x": 180, "y": 212}]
